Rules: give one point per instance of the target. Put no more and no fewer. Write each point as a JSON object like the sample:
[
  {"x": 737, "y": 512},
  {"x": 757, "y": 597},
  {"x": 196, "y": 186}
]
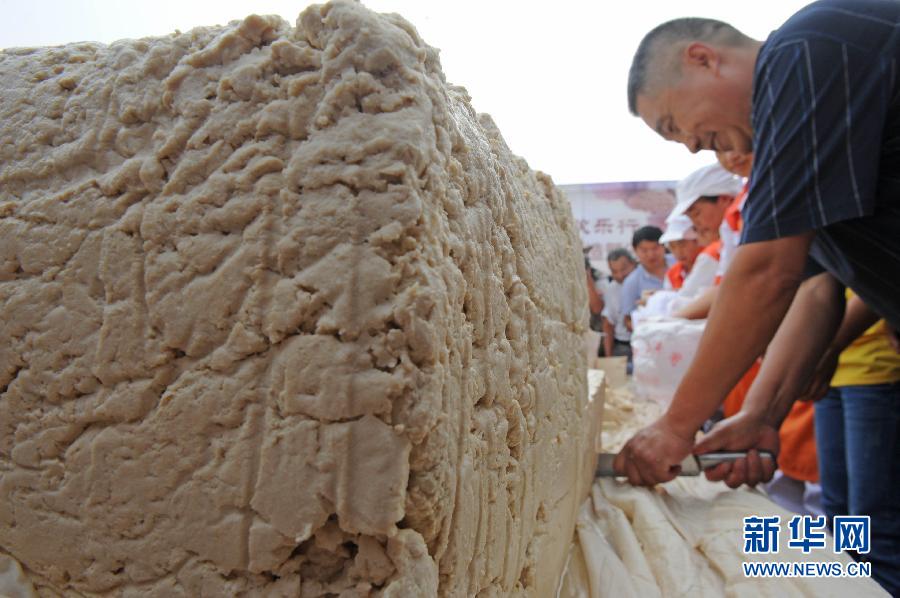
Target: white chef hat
[
  {"x": 709, "y": 181},
  {"x": 678, "y": 228}
]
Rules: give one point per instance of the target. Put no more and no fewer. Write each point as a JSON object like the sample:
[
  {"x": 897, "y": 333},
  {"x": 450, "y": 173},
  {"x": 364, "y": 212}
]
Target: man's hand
[
  {"x": 743, "y": 431},
  {"x": 654, "y": 454}
]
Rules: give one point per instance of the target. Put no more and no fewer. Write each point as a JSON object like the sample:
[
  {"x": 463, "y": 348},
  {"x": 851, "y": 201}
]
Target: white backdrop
[{"x": 607, "y": 214}]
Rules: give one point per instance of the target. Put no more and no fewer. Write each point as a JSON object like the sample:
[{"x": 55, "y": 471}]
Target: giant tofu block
[{"x": 282, "y": 315}]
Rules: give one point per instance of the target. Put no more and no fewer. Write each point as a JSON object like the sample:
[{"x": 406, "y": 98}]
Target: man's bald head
[{"x": 656, "y": 63}]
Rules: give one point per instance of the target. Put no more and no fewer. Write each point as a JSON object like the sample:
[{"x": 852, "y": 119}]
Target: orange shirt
[
  {"x": 676, "y": 275},
  {"x": 713, "y": 250},
  {"x": 797, "y": 457}
]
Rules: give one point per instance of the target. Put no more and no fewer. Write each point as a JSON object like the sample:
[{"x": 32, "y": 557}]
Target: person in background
[
  {"x": 857, "y": 424},
  {"x": 727, "y": 231},
  {"x": 616, "y": 336},
  {"x": 705, "y": 196},
  {"x": 712, "y": 252},
  {"x": 595, "y": 296},
  {"x": 691, "y": 272},
  {"x": 740, "y": 164},
  {"x": 649, "y": 275}
]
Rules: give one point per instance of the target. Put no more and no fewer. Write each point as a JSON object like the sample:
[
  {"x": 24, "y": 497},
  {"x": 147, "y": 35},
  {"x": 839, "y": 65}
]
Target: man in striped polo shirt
[{"x": 818, "y": 103}]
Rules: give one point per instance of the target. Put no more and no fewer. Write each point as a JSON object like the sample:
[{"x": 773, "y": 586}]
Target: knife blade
[{"x": 691, "y": 466}]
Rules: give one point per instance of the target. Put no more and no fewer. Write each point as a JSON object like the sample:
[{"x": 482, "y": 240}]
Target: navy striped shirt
[{"x": 826, "y": 122}]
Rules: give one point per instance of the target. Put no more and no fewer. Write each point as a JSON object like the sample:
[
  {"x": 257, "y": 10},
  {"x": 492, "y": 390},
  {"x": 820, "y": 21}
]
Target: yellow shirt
[{"x": 870, "y": 359}]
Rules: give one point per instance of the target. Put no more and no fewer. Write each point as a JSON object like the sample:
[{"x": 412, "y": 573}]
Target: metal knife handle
[
  {"x": 691, "y": 466},
  {"x": 605, "y": 465},
  {"x": 712, "y": 459}
]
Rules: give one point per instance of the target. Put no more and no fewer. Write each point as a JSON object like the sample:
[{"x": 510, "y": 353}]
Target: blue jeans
[{"x": 858, "y": 443}]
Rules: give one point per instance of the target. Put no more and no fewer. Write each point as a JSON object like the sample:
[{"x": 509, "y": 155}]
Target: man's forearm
[
  {"x": 858, "y": 317},
  {"x": 794, "y": 352},
  {"x": 751, "y": 302}
]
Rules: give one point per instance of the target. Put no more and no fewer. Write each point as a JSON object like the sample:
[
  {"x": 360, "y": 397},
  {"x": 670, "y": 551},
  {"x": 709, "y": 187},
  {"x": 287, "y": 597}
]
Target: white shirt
[
  {"x": 701, "y": 277},
  {"x": 612, "y": 311}
]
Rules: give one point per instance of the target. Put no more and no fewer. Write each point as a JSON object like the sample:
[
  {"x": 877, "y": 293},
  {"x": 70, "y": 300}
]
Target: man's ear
[{"x": 698, "y": 54}]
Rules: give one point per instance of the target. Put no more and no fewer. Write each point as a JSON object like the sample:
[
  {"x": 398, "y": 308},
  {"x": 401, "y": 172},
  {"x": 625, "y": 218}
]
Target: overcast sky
[{"x": 551, "y": 74}]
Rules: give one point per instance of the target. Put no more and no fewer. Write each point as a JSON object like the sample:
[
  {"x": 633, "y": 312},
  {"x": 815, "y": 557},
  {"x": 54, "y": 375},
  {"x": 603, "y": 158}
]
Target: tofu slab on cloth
[{"x": 281, "y": 315}]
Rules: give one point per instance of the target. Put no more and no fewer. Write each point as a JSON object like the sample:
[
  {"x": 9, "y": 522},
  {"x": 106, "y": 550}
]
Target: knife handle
[{"x": 712, "y": 459}]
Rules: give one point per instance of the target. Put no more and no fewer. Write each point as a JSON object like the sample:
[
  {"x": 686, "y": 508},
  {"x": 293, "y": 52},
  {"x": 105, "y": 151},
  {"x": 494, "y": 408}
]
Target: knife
[{"x": 691, "y": 466}]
